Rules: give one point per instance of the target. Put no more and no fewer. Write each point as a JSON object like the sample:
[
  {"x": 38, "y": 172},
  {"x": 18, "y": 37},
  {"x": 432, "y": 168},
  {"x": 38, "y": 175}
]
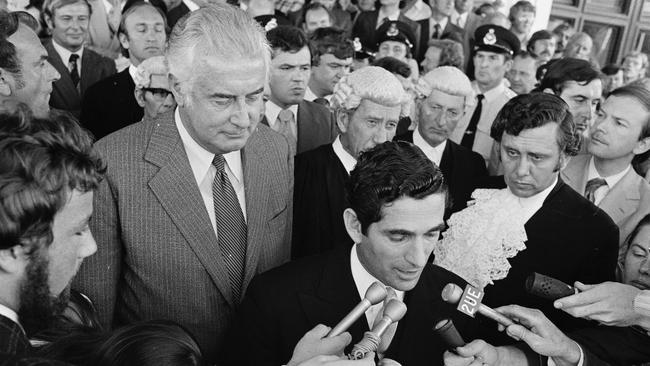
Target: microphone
[
  {"x": 393, "y": 312},
  {"x": 375, "y": 294},
  {"x": 469, "y": 302},
  {"x": 548, "y": 287},
  {"x": 449, "y": 334}
]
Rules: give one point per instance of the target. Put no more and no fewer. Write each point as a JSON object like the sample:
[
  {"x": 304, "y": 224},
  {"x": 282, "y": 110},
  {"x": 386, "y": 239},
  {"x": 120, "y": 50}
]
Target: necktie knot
[
  {"x": 73, "y": 57},
  {"x": 285, "y": 116},
  {"x": 592, "y": 187},
  {"x": 218, "y": 162},
  {"x": 480, "y": 97}
]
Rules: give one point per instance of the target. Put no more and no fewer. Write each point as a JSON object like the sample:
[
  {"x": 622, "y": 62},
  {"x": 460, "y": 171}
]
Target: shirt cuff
[
  {"x": 581, "y": 361},
  {"x": 642, "y": 307}
]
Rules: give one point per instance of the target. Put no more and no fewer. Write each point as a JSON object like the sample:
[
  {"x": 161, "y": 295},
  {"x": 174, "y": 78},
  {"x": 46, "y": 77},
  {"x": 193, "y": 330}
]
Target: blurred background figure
[
  {"x": 340, "y": 18},
  {"x": 522, "y": 73},
  {"x": 635, "y": 66},
  {"x": 316, "y": 16},
  {"x": 542, "y": 46},
  {"x": 613, "y": 78},
  {"x": 580, "y": 46},
  {"x": 152, "y": 91},
  {"x": 396, "y": 39},
  {"x": 443, "y": 52},
  {"x": 562, "y": 33},
  {"x": 331, "y": 58},
  {"x": 522, "y": 16}
]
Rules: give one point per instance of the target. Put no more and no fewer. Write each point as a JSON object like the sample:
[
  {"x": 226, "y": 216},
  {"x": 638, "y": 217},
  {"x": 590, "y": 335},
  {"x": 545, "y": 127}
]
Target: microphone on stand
[
  {"x": 548, "y": 287},
  {"x": 375, "y": 294},
  {"x": 393, "y": 312},
  {"x": 469, "y": 302},
  {"x": 449, "y": 334}
]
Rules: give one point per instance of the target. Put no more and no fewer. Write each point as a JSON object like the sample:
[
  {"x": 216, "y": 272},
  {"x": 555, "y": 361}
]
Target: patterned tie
[
  {"x": 74, "y": 70},
  {"x": 592, "y": 187},
  {"x": 470, "y": 132},
  {"x": 231, "y": 227},
  {"x": 436, "y": 31},
  {"x": 388, "y": 335},
  {"x": 286, "y": 125}
]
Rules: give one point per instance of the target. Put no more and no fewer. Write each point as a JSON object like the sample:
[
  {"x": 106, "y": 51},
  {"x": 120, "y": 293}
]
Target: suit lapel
[
  {"x": 177, "y": 191},
  {"x": 446, "y": 162},
  {"x": 89, "y": 64},
  {"x": 255, "y": 163},
  {"x": 64, "y": 84},
  {"x": 622, "y": 199}
]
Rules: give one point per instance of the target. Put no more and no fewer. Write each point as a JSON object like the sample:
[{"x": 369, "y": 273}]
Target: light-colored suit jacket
[
  {"x": 158, "y": 256},
  {"x": 626, "y": 203}
]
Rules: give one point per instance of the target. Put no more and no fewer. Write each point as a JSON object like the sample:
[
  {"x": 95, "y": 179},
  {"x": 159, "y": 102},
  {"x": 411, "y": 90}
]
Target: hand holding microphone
[
  {"x": 393, "y": 312},
  {"x": 469, "y": 302},
  {"x": 375, "y": 294}
]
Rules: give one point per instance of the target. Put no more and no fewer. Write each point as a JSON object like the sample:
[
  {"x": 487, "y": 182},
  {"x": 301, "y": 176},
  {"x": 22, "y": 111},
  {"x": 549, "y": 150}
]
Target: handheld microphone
[
  {"x": 393, "y": 312},
  {"x": 469, "y": 302},
  {"x": 375, "y": 294},
  {"x": 449, "y": 334},
  {"x": 548, "y": 287}
]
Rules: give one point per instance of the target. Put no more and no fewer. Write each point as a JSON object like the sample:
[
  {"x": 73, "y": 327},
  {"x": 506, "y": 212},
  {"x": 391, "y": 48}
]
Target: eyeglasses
[{"x": 158, "y": 93}]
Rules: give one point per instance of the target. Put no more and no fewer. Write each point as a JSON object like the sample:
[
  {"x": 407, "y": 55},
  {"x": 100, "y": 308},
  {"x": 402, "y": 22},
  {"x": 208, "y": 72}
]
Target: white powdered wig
[
  {"x": 373, "y": 83},
  {"x": 450, "y": 80},
  {"x": 152, "y": 66}
]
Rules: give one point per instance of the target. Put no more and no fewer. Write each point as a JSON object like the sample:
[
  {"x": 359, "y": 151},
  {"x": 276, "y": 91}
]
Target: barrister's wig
[
  {"x": 373, "y": 83},
  {"x": 449, "y": 80},
  {"x": 152, "y": 66}
]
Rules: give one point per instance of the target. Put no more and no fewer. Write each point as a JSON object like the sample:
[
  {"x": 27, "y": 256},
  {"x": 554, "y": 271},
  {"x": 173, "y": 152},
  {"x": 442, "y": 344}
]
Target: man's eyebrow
[
  {"x": 439, "y": 227},
  {"x": 230, "y": 96}
]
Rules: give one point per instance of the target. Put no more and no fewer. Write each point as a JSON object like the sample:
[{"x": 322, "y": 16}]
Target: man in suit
[
  {"x": 522, "y": 17},
  {"x": 305, "y": 124},
  {"x": 449, "y": 95},
  {"x": 437, "y": 26},
  {"x": 367, "y": 22},
  {"x": 110, "y": 104},
  {"x": 323, "y": 173},
  {"x": 21, "y": 81},
  {"x": 78, "y": 66},
  {"x": 48, "y": 175},
  {"x": 199, "y": 200},
  {"x": 331, "y": 58},
  {"x": 463, "y": 15},
  {"x": 397, "y": 199},
  {"x": 605, "y": 175},
  {"x": 495, "y": 46}
]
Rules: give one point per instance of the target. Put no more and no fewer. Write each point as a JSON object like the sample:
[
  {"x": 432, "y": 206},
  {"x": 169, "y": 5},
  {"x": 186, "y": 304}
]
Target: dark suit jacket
[
  {"x": 175, "y": 14},
  {"x": 450, "y": 29},
  {"x": 283, "y": 304},
  {"x": 110, "y": 105},
  {"x": 462, "y": 168},
  {"x": 569, "y": 239},
  {"x": 65, "y": 95},
  {"x": 158, "y": 256},
  {"x": 365, "y": 27},
  {"x": 316, "y": 126},
  {"x": 613, "y": 345},
  {"x": 13, "y": 340},
  {"x": 318, "y": 203}
]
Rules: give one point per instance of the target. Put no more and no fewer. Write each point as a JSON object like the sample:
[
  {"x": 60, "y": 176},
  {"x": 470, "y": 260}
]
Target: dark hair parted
[
  {"x": 388, "y": 172},
  {"x": 41, "y": 162},
  {"x": 329, "y": 40},
  {"x": 636, "y": 90},
  {"x": 9, "y": 62},
  {"x": 393, "y": 65},
  {"x": 534, "y": 110},
  {"x": 287, "y": 38},
  {"x": 563, "y": 70}
]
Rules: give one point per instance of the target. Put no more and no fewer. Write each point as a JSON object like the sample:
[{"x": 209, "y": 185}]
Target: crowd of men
[{"x": 198, "y": 183}]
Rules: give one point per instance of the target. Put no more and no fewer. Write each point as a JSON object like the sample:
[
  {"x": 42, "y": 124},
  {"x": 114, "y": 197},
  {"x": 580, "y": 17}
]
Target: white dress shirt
[
  {"x": 9, "y": 313},
  {"x": 382, "y": 15},
  {"x": 65, "y": 55},
  {"x": 419, "y": 11},
  {"x": 273, "y": 110},
  {"x": 433, "y": 153},
  {"x": 310, "y": 96},
  {"x": 494, "y": 100},
  {"x": 204, "y": 172},
  {"x": 190, "y": 5},
  {"x": 432, "y": 26},
  {"x": 363, "y": 280},
  {"x": 602, "y": 191},
  {"x": 459, "y": 19},
  {"x": 348, "y": 161},
  {"x": 532, "y": 204}
]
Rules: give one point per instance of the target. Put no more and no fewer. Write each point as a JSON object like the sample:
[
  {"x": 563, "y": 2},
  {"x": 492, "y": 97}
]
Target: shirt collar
[
  {"x": 348, "y": 161},
  {"x": 310, "y": 95},
  {"x": 9, "y": 313},
  {"x": 272, "y": 111},
  {"x": 433, "y": 153},
  {"x": 190, "y": 5},
  {"x": 132, "y": 71},
  {"x": 611, "y": 180},
  {"x": 65, "y": 53},
  {"x": 492, "y": 93},
  {"x": 443, "y": 23},
  {"x": 362, "y": 278},
  {"x": 382, "y": 15},
  {"x": 201, "y": 159},
  {"x": 533, "y": 203}
]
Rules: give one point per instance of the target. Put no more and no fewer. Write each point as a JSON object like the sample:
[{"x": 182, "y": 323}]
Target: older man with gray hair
[
  {"x": 197, "y": 200},
  {"x": 448, "y": 94},
  {"x": 368, "y": 104}
]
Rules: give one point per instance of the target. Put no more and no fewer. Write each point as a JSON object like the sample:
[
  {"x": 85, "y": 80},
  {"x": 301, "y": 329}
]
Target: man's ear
[
  {"x": 13, "y": 260},
  {"x": 352, "y": 225},
  {"x": 176, "y": 89},
  {"x": 124, "y": 40},
  {"x": 642, "y": 146},
  {"x": 508, "y": 64},
  {"x": 6, "y": 83},
  {"x": 139, "y": 96},
  {"x": 48, "y": 21},
  {"x": 342, "y": 120},
  {"x": 563, "y": 162}
]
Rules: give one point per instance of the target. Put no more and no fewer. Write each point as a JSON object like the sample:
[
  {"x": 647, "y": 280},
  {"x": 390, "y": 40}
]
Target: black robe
[{"x": 318, "y": 202}]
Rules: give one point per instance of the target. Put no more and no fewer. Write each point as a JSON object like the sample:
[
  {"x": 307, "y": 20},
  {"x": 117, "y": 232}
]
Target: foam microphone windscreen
[
  {"x": 548, "y": 287},
  {"x": 449, "y": 334}
]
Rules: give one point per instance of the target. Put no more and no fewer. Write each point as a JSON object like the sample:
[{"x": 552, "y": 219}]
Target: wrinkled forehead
[{"x": 591, "y": 90}]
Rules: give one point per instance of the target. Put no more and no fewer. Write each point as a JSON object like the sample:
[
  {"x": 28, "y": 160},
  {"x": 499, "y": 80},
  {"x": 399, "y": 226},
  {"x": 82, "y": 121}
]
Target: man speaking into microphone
[{"x": 397, "y": 201}]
